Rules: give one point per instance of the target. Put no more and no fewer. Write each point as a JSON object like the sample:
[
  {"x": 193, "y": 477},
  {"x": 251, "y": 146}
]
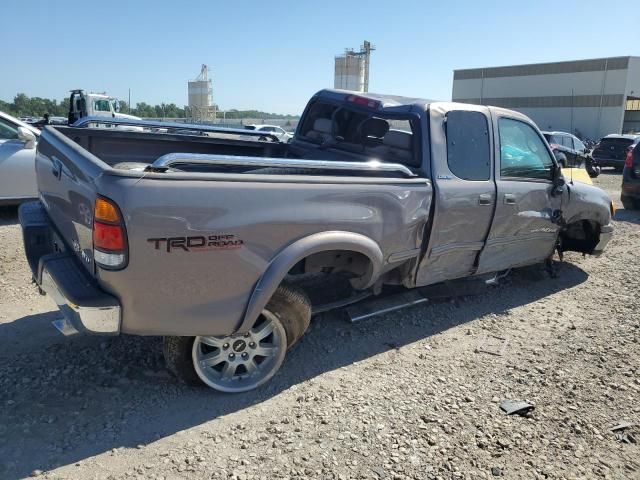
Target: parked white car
[
  {"x": 17, "y": 160},
  {"x": 281, "y": 133}
]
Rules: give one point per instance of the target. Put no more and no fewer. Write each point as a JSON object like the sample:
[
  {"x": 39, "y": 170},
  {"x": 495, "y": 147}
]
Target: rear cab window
[
  {"x": 362, "y": 133},
  {"x": 468, "y": 149}
]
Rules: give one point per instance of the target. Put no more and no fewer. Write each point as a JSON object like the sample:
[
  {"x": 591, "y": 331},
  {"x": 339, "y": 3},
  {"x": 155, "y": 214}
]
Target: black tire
[
  {"x": 289, "y": 304},
  {"x": 630, "y": 203},
  {"x": 293, "y": 308},
  {"x": 177, "y": 355}
]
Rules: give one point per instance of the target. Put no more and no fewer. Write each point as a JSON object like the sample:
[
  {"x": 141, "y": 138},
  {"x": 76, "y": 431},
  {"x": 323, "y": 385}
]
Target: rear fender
[{"x": 300, "y": 249}]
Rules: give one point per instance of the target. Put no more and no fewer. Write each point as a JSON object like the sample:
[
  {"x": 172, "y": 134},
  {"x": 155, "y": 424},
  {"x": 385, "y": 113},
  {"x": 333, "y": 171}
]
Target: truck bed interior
[{"x": 115, "y": 146}]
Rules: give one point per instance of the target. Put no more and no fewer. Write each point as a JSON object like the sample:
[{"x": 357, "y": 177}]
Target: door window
[
  {"x": 8, "y": 131},
  {"x": 468, "y": 153},
  {"x": 578, "y": 146},
  {"x": 523, "y": 154},
  {"x": 566, "y": 141}
]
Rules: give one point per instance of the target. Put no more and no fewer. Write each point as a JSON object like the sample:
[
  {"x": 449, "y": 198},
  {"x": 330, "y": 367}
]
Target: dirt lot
[{"x": 408, "y": 395}]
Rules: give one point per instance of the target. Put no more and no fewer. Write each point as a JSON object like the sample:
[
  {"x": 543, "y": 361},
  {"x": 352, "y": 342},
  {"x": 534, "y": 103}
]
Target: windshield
[{"x": 372, "y": 135}]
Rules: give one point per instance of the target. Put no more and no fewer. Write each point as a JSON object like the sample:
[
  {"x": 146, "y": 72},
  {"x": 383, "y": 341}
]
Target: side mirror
[
  {"x": 28, "y": 137},
  {"x": 558, "y": 181}
]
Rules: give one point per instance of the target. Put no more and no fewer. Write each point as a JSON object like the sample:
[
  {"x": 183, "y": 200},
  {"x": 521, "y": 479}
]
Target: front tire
[{"x": 242, "y": 362}]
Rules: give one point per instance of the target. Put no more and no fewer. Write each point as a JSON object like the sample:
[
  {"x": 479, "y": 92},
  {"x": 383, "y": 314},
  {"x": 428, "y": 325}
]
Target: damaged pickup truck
[{"x": 203, "y": 238}]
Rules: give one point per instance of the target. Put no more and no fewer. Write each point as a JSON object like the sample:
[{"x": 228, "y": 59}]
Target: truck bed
[
  {"x": 114, "y": 146},
  {"x": 203, "y": 239}
]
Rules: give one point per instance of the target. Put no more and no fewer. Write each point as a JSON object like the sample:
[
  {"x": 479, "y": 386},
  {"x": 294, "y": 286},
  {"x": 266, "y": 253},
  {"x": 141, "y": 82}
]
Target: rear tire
[
  {"x": 215, "y": 361},
  {"x": 630, "y": 203},
  {"x": 177, "y": 355}
]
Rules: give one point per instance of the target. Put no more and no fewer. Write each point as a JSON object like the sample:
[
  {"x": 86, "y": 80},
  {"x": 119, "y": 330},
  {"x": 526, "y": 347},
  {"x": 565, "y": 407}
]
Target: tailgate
[
  {"x": 66, "y": 176},
  {"x": 613, "y": 148}
]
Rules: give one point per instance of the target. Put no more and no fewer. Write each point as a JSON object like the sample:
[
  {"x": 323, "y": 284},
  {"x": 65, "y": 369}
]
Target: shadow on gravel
[
  {"x": 8, "y": 215},
  {"x": 74, "y": 398},
  {"x": 631, "y": 216}
]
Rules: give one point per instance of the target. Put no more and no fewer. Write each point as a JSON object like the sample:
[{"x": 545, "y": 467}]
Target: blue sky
[{"x": 272, "y": 55}]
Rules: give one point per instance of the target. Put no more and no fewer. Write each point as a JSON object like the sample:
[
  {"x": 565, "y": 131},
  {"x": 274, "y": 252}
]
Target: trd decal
[{"x": 197, "y": 243}]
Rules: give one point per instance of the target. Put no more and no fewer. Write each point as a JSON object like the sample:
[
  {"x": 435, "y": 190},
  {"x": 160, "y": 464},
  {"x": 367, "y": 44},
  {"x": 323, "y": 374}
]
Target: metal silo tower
[
  {"x": 352, "y": 68},
  {"x": 201, "y": 107}
]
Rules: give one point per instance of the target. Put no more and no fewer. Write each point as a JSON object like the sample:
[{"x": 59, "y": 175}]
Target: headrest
[
  {"x": 398, "y": 139},
  {"x": 374, "y": 127},
  {"x": 322, "y": 125}
]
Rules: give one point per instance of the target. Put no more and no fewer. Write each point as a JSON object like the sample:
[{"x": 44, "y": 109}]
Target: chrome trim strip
[
  {"x": 86, "y": 121},
  {"x": 165, "y": 161}
]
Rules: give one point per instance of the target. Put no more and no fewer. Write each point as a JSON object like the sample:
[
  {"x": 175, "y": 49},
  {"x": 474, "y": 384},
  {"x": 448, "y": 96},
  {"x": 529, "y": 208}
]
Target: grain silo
[
  {"x": 352, "y": 69},
  {"x": 201, "y": 107}
]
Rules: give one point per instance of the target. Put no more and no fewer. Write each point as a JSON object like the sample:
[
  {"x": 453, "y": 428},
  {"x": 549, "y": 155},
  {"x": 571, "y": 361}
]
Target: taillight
[
  {"x": 109, "y": 235},
  {"x": 628, "y": 161}
]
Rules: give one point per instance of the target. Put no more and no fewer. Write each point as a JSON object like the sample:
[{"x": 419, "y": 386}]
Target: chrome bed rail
[{"x": 166, "y": 161}]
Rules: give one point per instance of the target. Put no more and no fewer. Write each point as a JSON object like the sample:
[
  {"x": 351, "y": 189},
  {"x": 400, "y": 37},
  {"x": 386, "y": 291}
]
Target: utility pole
[{"x": 129, "y": 104}]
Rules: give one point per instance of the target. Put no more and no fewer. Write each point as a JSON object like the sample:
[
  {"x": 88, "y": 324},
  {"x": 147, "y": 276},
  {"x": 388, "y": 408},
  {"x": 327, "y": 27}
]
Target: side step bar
[{"x": 381, "y": 305}]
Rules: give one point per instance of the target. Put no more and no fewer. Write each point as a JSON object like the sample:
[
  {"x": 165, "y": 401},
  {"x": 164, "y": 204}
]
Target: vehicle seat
[
  {"x": 396, "y": 144},
  {"x": 322, "y": 129}
]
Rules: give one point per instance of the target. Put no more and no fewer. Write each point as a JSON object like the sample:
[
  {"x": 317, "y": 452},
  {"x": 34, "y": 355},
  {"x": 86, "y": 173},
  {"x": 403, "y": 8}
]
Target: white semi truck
[{"x": 83, "y": 104}]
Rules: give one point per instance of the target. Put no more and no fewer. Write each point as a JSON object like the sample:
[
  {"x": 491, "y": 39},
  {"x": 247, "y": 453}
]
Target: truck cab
[{"x": 83, "y": 104}]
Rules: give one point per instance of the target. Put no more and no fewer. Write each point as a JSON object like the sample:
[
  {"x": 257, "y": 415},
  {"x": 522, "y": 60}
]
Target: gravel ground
[{"x": 408, "y": 395}]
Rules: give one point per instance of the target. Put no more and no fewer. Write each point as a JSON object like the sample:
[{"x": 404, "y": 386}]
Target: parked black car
[
  {"x": 630, "y": 195},
  {"x": 612, "y": 150},
  {"x": 571, "y": 152}
]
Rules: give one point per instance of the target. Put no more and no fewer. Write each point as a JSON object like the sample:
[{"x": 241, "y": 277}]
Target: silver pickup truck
[{"x": 221, "y": 243}]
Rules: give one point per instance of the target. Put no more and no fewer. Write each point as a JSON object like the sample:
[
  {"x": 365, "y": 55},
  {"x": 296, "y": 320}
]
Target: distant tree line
[{"x": 23, "y": 106}]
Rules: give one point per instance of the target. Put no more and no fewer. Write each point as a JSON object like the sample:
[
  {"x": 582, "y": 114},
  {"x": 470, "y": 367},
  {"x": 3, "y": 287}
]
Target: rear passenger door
[
  {"x": 522, "y": 231},
  {"x": 464, "y": 192}
]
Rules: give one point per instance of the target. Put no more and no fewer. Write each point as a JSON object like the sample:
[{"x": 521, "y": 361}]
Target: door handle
[
  {"x": 485, "y": 199},
  {"x": 509, "y": 199},
  {"x": 56, "y": 169}
]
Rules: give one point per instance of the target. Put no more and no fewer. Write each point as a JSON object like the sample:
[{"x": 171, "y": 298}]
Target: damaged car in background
[{"x": 210, "y": 241}]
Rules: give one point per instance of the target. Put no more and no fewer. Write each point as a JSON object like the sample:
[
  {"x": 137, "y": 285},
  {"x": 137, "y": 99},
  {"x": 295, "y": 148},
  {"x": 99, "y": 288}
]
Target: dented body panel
[{"x": 207, "y": 248}]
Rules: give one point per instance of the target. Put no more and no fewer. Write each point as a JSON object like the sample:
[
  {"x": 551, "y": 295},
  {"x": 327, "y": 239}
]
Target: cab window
[
  {"x": 468, "y": 151},
  {"x": 523, "y": 154},
  {"x": 101, "y": 106}
]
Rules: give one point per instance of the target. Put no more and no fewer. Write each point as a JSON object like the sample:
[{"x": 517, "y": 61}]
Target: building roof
[{"x": 572, "y": 66}]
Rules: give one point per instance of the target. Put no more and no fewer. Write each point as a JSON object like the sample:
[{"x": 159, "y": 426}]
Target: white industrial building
[{"x": 591, "y": 98}]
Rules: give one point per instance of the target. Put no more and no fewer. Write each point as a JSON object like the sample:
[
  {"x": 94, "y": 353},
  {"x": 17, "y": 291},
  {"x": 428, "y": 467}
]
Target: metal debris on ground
[
  {"x": 621, "y": 434},
  {"x": 491, "y": 346},
  {"x": 622, "y": 425},
  {"x": 514, "y": 406}
]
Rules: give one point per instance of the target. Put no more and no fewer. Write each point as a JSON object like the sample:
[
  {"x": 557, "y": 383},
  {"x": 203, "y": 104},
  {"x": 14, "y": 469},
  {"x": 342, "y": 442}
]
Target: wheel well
[
  {"x": 580, "y": 236},
  {"x": 347, "y": 262}
]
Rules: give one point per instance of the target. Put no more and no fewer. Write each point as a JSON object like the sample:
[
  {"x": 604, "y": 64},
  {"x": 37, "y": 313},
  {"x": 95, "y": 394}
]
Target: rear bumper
[
  {"x": 609, "y": 162},
  {"x": 630, "y": 185},
  {"x": 606, "y": 233},
  {"x": 86, "y": 308}
]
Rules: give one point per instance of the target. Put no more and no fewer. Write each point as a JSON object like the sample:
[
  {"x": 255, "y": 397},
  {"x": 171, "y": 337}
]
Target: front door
[
  {"x": 464, "y": 192},
  {"x": 523, "y": 231}
]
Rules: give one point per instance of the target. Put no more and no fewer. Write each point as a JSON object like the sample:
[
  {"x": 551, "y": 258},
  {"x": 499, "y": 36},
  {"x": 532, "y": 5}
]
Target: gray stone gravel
[{"x": 407, "y": 396}]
